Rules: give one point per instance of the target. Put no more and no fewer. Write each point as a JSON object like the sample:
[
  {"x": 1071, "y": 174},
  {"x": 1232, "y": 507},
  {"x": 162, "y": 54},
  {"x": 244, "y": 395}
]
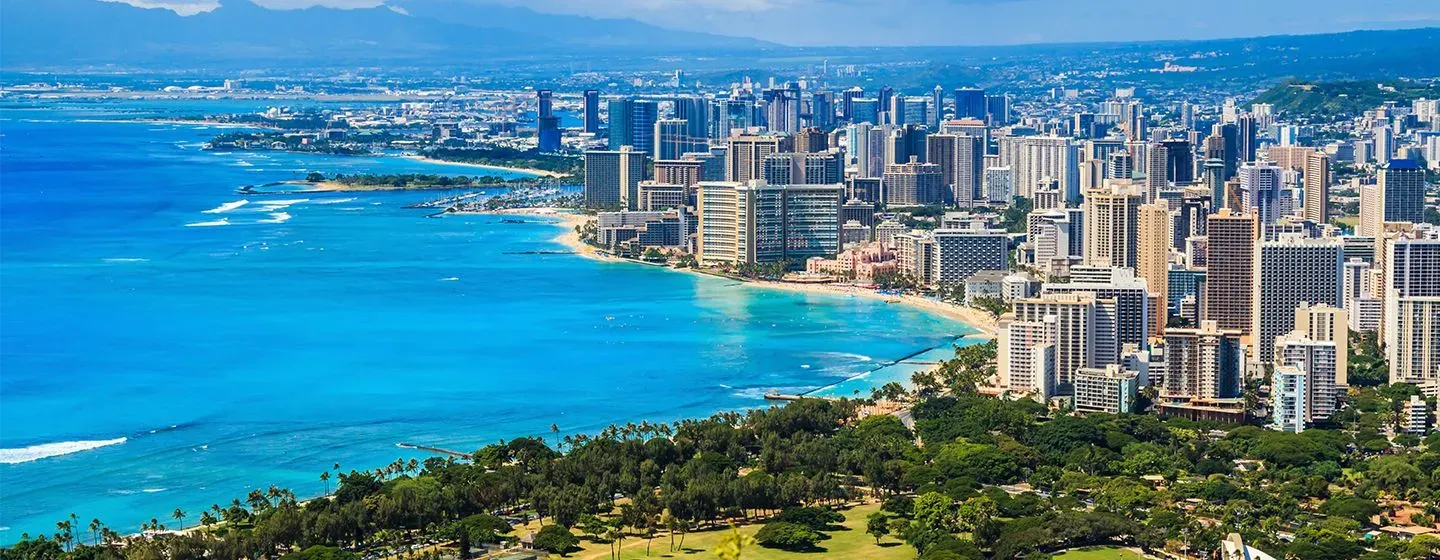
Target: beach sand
[{"x": 976, "y": 318}]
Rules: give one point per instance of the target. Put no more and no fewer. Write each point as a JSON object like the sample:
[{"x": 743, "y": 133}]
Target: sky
[{"x": 960, "y": 22}]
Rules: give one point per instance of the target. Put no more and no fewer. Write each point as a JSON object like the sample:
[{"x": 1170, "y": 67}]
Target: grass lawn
[
  {"x": 850, "y": 543},
  {"x": 1098, "y": 553}
]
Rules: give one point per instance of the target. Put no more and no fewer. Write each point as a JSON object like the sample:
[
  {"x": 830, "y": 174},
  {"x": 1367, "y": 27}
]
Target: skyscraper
[
  {"x": 1317, "y": 187},
  {"x": 591, "y": 111},
  {"x": 1152, "y": 256},
  {"x": 1261, "y": 184},
  {"x": 755, "y": 222},
  {"x": 1229, "y": 285},
  {"x": 1204, "y": 363},
  {"x": 612, "y": 178},
  {"x": 1411, "y": 329},
  {"x": 1291, "y": 270},
  {"x": 1110, "y": 222},
  {"x": 970, "y": 103},
  {"x": 632, "y": 123},
  {"x": 746, "y": 155},
  {"x": 672, "y": 138},
  {"x": 1402, "y": 191},
  {"x": 969, "y": 170},
  {"x": 913, "y": 184},
  {"x": 547, "y": 125}
]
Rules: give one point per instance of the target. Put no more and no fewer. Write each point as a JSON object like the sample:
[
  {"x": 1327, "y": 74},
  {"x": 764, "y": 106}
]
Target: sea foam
[
  {"x": 37, "y": 452},
  {"x": 228, "y": 206},
  {"x": 219, "y": 222},
  {"x": 277, "y": 218}
]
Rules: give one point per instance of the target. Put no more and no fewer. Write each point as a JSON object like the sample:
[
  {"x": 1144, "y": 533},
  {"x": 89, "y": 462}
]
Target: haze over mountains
[{"x": 78, "y": 32}]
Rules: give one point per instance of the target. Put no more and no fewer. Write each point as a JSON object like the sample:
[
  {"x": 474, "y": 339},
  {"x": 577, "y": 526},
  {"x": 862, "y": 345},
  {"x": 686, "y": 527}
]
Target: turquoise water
[{"x": 235, "y": 346}]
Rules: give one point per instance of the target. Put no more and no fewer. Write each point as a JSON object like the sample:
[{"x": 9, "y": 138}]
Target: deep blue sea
[{"x": 163, "y": 345}]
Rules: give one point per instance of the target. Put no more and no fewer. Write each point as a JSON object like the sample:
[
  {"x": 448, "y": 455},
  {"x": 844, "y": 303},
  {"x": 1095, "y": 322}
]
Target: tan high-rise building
[
  {"x": 685, "y": 172},
  {"x": 1110, "y": 221},
  {"x": 1325, "y": 323},
  {"x": 1317, "y": 187},
  {"x": 1229, "y": 279},
  {"x": 1152, "y": 257},
  {"x": 745, "y": 158}
]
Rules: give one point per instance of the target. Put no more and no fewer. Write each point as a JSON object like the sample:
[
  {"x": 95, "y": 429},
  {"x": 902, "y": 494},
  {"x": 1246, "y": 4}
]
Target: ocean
[{"x": 167, "y": 343}]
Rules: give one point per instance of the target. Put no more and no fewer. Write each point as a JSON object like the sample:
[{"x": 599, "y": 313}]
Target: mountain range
[{"x": 74, "y": 33}]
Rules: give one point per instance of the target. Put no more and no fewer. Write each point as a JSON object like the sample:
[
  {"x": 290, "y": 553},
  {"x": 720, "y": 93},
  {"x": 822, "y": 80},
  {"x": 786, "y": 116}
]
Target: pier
[{"x": 432, "y": 449}]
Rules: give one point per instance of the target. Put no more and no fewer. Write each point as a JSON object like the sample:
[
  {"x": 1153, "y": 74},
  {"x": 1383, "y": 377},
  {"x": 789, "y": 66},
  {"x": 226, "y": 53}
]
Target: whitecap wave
[
  {"x": 450, "y": 279},
  {"x": 228, "y": 206},
  {"x": 335, "y": 201},
  {"x": 278, "y": 204},
  {"x": 219, "y": 222},
  {"x": 124, "y": 260},
  {"x": 277, "y": 218},
  {"x": 243, "y": 163},
  {"x": 44, "y": 450}
]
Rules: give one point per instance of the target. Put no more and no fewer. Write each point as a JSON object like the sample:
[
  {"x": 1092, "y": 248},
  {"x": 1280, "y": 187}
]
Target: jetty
[{"x": 433, "y": 449}]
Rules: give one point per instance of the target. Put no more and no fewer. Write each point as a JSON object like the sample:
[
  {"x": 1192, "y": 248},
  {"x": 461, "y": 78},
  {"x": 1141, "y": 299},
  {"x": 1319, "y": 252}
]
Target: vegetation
[
  {"x": 414, "y": 180},
  {"x": 573, "y": 168},
  {"x": 977, "y": 478},
  {"x": 1340, "y": 99}
]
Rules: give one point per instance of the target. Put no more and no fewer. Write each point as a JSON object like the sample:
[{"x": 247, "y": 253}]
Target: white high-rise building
[
  {"x": 1317, "y": 359},
  {"x": 1287, "y": 399},
  {"x": 1289, "y": 271},
  {"x": 1110, "y": 222},
  {"x": 1076, "y": 328},
  {"x": 1412, "y": 312},
  {"x": 1026, "y": 357},
  {"x": 1261, "y": 184}
]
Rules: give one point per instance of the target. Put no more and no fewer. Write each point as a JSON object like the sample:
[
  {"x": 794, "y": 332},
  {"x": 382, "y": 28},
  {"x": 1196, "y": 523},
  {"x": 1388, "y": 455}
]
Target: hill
[{"x": 1341, "y": 98}]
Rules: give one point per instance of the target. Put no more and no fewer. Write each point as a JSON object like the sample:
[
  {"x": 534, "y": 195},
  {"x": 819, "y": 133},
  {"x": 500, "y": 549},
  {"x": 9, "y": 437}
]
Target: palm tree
[
  {"x": 179, "y": 516},
  {"x": 555, "y": 429},
  {"x": 95, "y": 527},
  {"x": 207, "y": 519},
  {"x": 325, "y": 478}
]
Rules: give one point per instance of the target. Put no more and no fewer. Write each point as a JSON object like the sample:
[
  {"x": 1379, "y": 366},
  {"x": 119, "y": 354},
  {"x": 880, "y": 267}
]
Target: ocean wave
[
  {"x": 124, "y": 260},
  {"x": 276, "y": 218},
  {"x": 278, "y": 204},
  {"x": 450, "y": 279},
  {"x": 243, "y": 163},
  {"x": 335, "y": 201},
  {"x": 44, "y": 450},
  {"x": 219, "y": 222},
  {"x": 228, "y": 206}
]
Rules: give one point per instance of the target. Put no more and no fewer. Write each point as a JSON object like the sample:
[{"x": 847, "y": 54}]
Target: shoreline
[
  {"x": 985, "y": 326},
  {"x": 336, "y": 186},
  {"x": 524, "y": 170}
]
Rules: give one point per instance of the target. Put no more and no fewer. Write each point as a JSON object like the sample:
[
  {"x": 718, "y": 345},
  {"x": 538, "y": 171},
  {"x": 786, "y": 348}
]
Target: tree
[
  {"x": 314, "y": 177},
  {"x": 555, "y": 539},
  {"x": 877, "y": 525},
  {"x": 787, "y": 536},
  {"x": 319, "y": 552},
  {"x": 732, "y": 544},
  {"x": 990, "y": 304},
  {"x": 936, "y": 512},
  {"x": 179, "y": 516}
]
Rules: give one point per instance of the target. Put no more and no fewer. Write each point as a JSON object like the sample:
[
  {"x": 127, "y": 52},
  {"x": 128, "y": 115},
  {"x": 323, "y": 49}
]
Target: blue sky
[{"x": 966, "y": 22}]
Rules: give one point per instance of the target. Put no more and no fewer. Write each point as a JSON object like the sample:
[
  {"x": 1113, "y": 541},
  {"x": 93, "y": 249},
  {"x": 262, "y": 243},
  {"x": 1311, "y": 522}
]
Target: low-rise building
[{"x": 1112, "y": 389}]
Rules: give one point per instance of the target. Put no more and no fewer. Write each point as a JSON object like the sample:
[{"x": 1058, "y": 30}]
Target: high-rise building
[
  {"x": 1075, "y": 330},
  {"x": 1317, "y": 187},
  {"x": 1317, "y": 359},
  {"x": 1043, "y": 159},
  {"x": 612, "y": 178},
  {"x": 812, "y": 139},
  {"x": 1111, "y": 389},
  {"x": 632, "y": 123},
  {"x": 822, "y": 110},
  {"x": 1110, "y": 222},
  {"x": 969, "y": 170},
  {"x": 940, "y": 150},
  {"x": 1152, "y": 256},
  {"x": 1261, "y": 183},
  {"x": 904, "y": 143},
  {"x": 1401, "y": 185},
  {"x": 695, "y": 111},
  {"x": 913, "y": 184},
  {"x": 970, "y": 104},
  {"x": 547, "y": 125},
  {"x": 799, "y": 168},
  {"x": 1204, "y": 363},
  {"x": 1179, "y": 162},
  {"x": 1411, "y": 329},
  {"x": 1288, "y": 395},
  {"x": 746, "y": 155},
  {"x": 1326, "y": 323},
  {"x": 759, "y": 223},
  {"x": 684, "y": 172},
  {"x": 1230, "y": 257},
  {"x": 1291, "y": 270},
  {"x": 960, "y": 253},
  {"x": 672, "y": 138},
  {"x": 590, "y": 106},
  {"x": 1025, "y": 356},
  {"x": 1156, "y": 172},
  {"x": 1126, "y": 320},
  {"x": 999, "y": 184}
]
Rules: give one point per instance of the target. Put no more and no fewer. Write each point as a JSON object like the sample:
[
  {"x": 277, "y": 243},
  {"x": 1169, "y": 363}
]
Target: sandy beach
[
  {"x": 525, "y": 170},
  {"x": 980, "y": 320}
]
